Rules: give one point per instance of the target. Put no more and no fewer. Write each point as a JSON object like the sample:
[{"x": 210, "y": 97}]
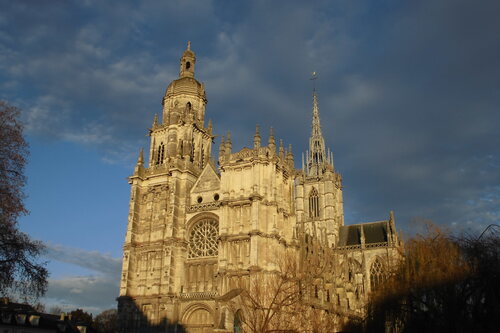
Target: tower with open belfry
[{"x": 198, "y": 227}]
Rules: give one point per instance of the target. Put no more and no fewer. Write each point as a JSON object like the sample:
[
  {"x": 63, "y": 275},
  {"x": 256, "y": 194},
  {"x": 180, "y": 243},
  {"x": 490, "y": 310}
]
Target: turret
[
  {"x": 271, "y": 143},
  {"x": 256, "y": 138},
  {"x": 188, "y": 60}
]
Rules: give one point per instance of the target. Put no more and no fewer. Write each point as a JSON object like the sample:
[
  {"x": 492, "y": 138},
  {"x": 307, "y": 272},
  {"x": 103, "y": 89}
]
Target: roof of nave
[{"x": 374, "y": 232}]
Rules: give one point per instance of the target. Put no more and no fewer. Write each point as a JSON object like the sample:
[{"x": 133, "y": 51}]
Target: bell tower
[
  {"x": 188, "y": 60},
  {"x": 182, "y": 134},
  {"x": 155, "y": 248},
  {"x": 320, "y": 209}
]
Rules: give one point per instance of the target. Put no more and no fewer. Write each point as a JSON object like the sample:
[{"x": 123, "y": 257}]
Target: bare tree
[
  {"x": 20, "y": 272},
  {"x": 283, "y": 300},
  {"x": 106, "y": 321},
  {"x": 444, "y": 284}
]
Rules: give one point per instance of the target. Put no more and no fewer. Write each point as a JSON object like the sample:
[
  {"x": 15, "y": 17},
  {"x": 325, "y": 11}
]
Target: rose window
[{"x": 203, "y": 239}]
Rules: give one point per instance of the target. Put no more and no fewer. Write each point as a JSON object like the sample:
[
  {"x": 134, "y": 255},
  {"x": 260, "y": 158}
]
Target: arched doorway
[{"x": 199, "y": 321}]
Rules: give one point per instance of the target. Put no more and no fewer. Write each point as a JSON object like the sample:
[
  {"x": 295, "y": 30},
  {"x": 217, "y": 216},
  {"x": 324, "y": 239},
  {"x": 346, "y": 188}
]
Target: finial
[
  {"x": 222, "y": 150},
  {"x": 210, "y": 126},
  {"x": 281, "y": 149},
  {"x": 256, "y": 138},
  {"x": 140, "y": 159},
  {"x": 155, "y": 120},
  {"x": 271, "y": 142},
  {"x": 189, "y": 45},
  {"x": 228, "y": 143}
]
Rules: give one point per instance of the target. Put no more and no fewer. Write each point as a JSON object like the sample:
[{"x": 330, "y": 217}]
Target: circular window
[
  {"x": 203, "y": 239},
  {"x": 216, "y": 197},
  {"x": 200, "y": 199}
]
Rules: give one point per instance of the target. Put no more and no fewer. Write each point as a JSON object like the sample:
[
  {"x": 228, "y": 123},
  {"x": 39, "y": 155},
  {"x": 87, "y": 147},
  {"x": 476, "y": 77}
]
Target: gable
[{"x": 208, "y": 181}]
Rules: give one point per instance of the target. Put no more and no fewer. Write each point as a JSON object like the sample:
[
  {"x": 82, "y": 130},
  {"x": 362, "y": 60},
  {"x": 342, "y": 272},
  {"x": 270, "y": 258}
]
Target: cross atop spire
[{"x": 189, "y": 45}]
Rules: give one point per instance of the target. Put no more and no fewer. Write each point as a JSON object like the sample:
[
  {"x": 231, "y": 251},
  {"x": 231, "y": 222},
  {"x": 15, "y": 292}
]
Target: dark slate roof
[
  {"x": 22, "y": 315},
  {"x": 375, "y": 232}
]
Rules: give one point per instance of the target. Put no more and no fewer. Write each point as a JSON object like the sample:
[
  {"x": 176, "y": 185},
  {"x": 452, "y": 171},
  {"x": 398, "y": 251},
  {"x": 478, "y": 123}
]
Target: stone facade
[{"x": 194, "y": 229}]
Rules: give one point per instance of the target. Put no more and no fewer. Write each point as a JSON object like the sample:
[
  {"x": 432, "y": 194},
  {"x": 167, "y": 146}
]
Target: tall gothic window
[
  {"x": 377, "y": 274},
  {"x": 313, "y": 203},
  {"x": 203, "y": 239},
  {"x": 161, "y": 153}
]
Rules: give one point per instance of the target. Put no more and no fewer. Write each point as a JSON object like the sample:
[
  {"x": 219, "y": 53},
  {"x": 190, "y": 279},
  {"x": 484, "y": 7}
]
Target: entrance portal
[{"x": 199, "y": 321}]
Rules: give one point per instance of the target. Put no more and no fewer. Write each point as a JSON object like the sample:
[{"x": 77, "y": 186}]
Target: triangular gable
[{"x": 209, "y": 180}]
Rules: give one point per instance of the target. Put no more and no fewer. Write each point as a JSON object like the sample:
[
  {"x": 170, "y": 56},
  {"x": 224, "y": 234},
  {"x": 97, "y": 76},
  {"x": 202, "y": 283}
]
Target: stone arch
[
  {"x": 377, "y": 273},
  {"x": 350, "y": 268},
  {"x": 198, "y": 318},
  {"x": 203, "y": 236}
]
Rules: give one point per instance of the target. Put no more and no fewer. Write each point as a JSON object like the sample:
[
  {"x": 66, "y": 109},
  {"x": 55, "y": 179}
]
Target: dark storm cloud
[{"x": 408, "y": 92}]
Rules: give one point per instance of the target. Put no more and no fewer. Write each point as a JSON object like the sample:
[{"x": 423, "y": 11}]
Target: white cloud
[
  {"x": 90, "y": 293},
  {"x": 93, "y": 260}
]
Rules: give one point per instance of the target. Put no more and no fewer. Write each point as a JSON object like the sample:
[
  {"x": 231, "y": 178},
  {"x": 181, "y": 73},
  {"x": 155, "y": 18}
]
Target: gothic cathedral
[{"x": 194, "y": 228}]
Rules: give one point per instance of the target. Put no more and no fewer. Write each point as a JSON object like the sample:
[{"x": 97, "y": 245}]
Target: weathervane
[{"x": 313, "y": 78}]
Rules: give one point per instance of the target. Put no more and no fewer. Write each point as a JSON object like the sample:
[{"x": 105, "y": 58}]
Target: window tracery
[
  {"x": 377, "y": 274},
  {"x": 161, "y": 153},
  {"x": 313, "y": 203},
  {"x": 203, "y": 239}
]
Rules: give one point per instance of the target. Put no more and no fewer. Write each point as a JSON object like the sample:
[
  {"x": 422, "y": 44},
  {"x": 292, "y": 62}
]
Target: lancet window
[
  {"x": 377, "y": 274},
  {"x": 313, "y": 203},
  {"x": 203, "y": 239},
  {"x": 160, "y": 154}
]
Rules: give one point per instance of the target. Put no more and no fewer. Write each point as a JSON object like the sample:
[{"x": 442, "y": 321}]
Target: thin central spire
[{"x": 316, "y": 157}]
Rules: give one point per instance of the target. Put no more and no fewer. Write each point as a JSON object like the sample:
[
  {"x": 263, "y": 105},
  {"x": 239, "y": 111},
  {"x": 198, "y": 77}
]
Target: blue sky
[{"x": 408, "y": 94}]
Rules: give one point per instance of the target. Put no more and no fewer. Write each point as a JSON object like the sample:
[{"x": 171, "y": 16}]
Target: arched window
[
  {"x": 313, "y": 203},
  {"x": 161, "y": 153},
  {"x": 203, "y": 239},
  {"x": 377, "y": 274},
  {"x": 188, "y": 65},
  {"x": 237, "y": 324},
  {"x": 188, "y": 106}
]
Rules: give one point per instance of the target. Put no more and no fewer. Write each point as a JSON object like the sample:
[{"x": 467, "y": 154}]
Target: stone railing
[
  {"x": 366, "y": 246},
  {"x": 203, "y": 207},
  {"x": 199, "y": 295}
]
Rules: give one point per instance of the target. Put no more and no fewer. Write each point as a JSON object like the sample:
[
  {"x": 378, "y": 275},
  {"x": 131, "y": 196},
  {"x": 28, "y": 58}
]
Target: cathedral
[{"x": 196, "y": 226}]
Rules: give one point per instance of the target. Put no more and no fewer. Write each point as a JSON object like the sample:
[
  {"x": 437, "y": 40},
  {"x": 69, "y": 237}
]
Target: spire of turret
[
  {"x": 289, "y": 156},
  {"x": 140, "y": 159},
  {"x": 140, "y": 162},
  {"x": 281, "y": 149},
  {"x": 316, "y": 158},
  {"x": 155, "y": 121},
  {"x": 229, "y": 144},
  {"x": 271, "y": 142},
  {"x": 222, "y": 149},
  {"x": 210, "y": 126},
  {"x": 256, "y": 138}
]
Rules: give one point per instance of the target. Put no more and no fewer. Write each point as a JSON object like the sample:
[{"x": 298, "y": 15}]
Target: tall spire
[{"x": 317, "y": 159}]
